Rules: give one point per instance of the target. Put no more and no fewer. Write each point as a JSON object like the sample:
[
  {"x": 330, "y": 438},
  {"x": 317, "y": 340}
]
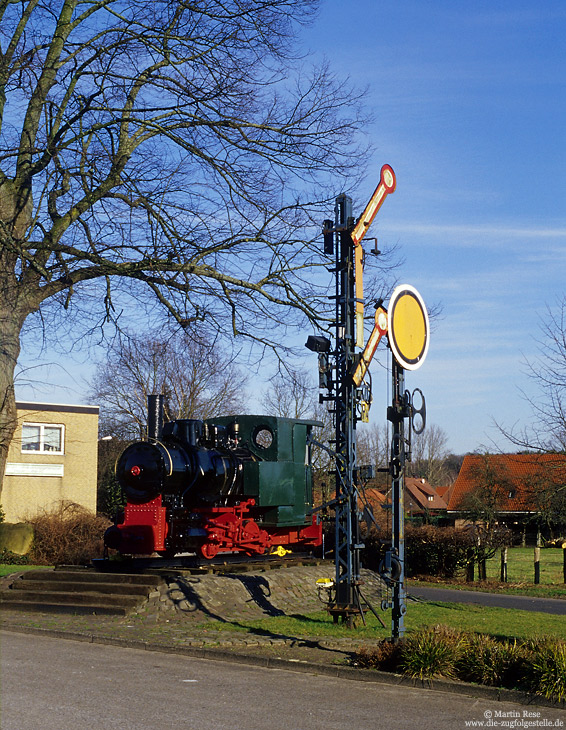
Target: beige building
[{"x": 52, "y": 458}]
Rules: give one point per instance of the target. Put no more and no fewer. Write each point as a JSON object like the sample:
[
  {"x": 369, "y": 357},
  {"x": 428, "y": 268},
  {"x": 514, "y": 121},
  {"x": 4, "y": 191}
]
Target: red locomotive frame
[{"x": 230, "y": 529}]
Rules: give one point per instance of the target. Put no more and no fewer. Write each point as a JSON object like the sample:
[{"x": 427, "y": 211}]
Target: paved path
[
  {"x": 52, "y": 684},
  {"x": 524, "y": 603}
]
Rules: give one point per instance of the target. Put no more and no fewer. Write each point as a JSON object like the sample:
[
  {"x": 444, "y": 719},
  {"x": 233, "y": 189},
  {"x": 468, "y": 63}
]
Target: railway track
[{"x": 195, "y": 564}]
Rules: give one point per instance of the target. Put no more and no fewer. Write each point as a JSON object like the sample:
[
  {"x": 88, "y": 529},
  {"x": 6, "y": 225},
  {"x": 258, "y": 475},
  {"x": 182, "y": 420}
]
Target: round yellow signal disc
[{"x": 408, "y": 327}]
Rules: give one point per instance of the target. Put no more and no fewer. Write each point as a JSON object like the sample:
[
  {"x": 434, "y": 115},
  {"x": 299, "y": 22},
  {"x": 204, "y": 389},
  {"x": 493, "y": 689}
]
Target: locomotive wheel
[{"x": 209, "y": 550}]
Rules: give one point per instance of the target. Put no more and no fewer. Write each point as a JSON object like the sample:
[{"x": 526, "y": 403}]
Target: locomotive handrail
[{"x": 160, "y": 443}]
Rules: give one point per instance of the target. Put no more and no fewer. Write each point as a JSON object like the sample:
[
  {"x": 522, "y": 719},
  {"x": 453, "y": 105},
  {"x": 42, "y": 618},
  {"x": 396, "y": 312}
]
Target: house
[
  {"x": 422, "y": 499},
  {"x": 517, "y": 488},
  {"x": 52, "y": 459}
]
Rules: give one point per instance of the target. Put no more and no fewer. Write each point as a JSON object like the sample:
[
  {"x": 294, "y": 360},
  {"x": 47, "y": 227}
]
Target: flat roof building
[{"x": 52, "y": 459}]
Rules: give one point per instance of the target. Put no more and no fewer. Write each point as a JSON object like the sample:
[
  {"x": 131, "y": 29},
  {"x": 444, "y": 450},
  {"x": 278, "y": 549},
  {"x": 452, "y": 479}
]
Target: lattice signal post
[
  {"x": 342, "y": 373},
  {"x": 342, "y": 238}
]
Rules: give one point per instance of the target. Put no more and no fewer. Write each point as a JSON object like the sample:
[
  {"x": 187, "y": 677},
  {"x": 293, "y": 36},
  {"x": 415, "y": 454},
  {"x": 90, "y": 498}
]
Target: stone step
[
  {"x": 83, "y": 587},
  {"x": 67, "y": 608},
  {"x": 79, "y": 590},
  {"x": 91, "y": 576},
  {"x": 23, "y": 596}
]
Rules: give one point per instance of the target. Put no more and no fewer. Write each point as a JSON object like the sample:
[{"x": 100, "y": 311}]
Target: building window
[
  {"x": 43, "y": 438},
  {"x": 431, "y": 497}
]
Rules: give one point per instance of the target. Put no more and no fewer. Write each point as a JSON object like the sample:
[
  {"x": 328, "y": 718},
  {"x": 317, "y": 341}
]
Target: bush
[
  {"x": 68, "y": 535},
  {"x": 7, "y": 557},
  {"x": 438, "y": 551},
  {"x": 374, "y": 549},
  {"x": 385, "y": 656},
  {"x": 491, "y": 662}
]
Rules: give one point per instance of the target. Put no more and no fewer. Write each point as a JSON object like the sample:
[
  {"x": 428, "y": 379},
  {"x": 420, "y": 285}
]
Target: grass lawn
[
  {"x": 520, "y": 575},
  {"x": 521, "y": 566},
  {"x": 500, "y": 622}
]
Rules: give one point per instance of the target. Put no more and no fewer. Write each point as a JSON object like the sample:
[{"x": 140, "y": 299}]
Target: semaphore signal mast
[{"x": 342, "y": 374}]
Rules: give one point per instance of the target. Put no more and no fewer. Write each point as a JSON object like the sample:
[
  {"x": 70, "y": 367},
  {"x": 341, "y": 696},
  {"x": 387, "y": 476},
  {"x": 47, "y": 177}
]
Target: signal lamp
[
  {"x": 328, "y": 236},
  {"x": 317, "y": 343}
]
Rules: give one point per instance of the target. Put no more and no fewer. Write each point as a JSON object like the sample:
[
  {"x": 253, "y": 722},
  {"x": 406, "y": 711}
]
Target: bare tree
[
  {"x": 429, "y": 455},
  {"x": 492, "y": 483},
  {"x": 196, "y": 378},
  {"x": 547, "y": 432},
  {"x": 373, "y": 445},
  {"x": 162, "y": 153},
  {"x": 291, "y": 394},
  {"x": 482, "y": 506}
]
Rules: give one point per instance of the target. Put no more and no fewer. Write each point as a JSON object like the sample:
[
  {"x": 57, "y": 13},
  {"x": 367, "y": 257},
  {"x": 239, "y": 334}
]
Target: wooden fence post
[
  {"x": 503, "y": 576},
  {"x": 470, "y": 567}
]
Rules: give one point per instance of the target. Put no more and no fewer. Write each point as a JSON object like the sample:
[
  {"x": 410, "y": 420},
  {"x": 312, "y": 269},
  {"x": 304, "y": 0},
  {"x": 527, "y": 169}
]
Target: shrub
[
  {"x": 385, "y": 656},
  {"x": 374, "y": 549},
  {"x": 536, "y": 665},
  {"x": 7, "y": 557},
  {"x": 67, "y": 535},
  {"x": 439, "y": 551}
]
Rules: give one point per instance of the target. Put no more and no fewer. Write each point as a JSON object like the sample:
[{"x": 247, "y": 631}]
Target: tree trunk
[
  {"x": 10, "y": 326},
  {"x": 19, "y": 296}
]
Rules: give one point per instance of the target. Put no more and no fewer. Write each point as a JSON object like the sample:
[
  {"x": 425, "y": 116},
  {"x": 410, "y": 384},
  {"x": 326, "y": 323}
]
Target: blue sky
[
  {"x": 468, "y": 102},
  {"x": 470, "y": 111}
]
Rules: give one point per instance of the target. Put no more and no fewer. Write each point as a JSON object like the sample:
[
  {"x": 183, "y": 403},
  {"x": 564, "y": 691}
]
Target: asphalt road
[
  {"x": 55, "y": 684},
  {"x": 524, "y": 603}
]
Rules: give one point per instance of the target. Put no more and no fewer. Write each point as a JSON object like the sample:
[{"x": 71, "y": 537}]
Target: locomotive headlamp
[
  {"x": 135, "y": 471},
  {"x": 317, "y": 343}
]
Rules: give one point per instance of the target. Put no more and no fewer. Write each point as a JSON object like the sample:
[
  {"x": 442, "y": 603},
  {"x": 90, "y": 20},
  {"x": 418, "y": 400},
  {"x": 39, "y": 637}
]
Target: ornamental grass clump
[
  {"x": 546, "y": 672},
  {"x": 486, "y": 660},
  {"x": 432, "y": 652},
  {"x": 537, "y": 666}
]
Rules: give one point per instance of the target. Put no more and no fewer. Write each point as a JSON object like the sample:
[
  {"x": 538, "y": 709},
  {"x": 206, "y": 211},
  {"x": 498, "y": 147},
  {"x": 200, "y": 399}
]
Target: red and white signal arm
[
  {"x": 387, "y": 183},
  {"x": 409, "y": 330}
]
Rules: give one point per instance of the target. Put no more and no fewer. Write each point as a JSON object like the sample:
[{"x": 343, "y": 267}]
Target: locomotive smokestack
[{"x": 154, "y": 416}]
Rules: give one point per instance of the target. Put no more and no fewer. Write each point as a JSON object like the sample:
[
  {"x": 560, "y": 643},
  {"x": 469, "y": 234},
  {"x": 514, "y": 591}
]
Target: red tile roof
[
  {"x": 516, "y": 476},
  {"x": 425, "y": 496}
]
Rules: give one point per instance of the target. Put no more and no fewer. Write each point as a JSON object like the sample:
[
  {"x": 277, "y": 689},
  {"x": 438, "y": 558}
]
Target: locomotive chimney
[{"x": 154, "y": 416}]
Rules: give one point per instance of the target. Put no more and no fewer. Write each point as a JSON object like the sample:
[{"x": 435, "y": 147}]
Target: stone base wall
[{"x": 255, "y": 595}]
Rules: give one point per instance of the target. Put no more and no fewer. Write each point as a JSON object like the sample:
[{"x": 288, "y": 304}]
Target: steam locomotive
[{"x": 234, "y": 484}]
